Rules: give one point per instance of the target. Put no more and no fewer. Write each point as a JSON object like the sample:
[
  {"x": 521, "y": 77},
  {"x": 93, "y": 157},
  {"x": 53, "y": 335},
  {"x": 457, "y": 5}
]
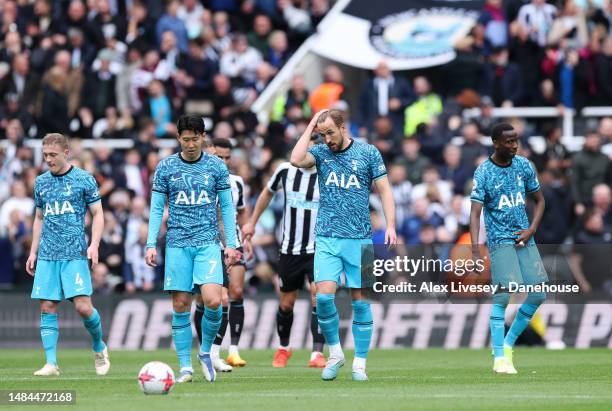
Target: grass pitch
[{"x": 433, "y": 379}]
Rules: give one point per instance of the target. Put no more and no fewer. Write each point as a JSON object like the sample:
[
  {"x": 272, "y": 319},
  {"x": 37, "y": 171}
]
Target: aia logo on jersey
[
  {"x": 191, "y": 198},
  {"x": 342, "y": 181},
  {"x": 54, "y": 208},
  {"x": 510, "y": 201}
]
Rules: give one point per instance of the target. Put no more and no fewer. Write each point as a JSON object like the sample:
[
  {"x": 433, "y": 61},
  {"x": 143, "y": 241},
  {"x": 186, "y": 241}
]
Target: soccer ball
[{"x": 156, "y": 377}]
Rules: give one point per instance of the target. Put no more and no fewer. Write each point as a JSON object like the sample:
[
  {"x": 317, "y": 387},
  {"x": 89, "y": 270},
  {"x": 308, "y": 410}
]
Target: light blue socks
[{"x": 49, "y": 333}]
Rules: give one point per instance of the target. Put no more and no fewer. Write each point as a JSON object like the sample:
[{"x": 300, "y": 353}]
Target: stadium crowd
[{"x": 111, "y": 69}]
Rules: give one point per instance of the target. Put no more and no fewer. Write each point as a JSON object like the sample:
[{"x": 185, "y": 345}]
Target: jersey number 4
[{"x": 78, "y": 280}]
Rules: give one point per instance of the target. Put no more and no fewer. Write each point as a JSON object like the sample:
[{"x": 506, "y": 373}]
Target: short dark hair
[
  {"x": 222, "y": 142},
  {"x": 190, "y": 122},
  {"x": 499, "y": 129}
]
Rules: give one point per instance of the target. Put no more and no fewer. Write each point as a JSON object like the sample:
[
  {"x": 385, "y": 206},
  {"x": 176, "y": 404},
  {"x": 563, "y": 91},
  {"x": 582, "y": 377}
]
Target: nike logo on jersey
[
  {"x": 327, "y": 161},
  {"x": 498, "y": 186}
]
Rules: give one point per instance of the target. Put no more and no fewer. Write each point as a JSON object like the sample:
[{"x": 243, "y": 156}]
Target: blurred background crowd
[{"x": 124, "y": 70}]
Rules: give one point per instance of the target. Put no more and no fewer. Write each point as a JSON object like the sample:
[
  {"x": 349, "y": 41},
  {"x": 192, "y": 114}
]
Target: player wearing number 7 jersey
[
  {"x": 62, "y": 196},
  {"x": 192, "y": 181}
]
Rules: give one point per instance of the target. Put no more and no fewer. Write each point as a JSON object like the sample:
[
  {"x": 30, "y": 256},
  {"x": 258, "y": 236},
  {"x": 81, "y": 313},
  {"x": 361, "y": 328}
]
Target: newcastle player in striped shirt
[{"x": 300, "y": 187}]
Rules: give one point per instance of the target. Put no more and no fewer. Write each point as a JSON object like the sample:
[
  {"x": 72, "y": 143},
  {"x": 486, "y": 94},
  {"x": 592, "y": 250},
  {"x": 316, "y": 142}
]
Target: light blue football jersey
[
  {"x": 63, "y": 201},
  {"x": 191, "y": 189},
  {"x": 503, "y": 191},
  {"x": 345, "y": 180}
]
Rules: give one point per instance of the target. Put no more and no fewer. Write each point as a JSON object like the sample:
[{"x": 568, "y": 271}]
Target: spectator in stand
[
  {"x": 425, "y": 109},
  {"x": 502, "y": 80},
  {"x": 160, "y": 109},
  {"x": 558, "y": 215},
  {"x": 555, "y": 151},
  {"x": 452, "y": 170},
  {"x": 537, "y": 18},
  {"x": 141, "y": 276},
  {"x": 486, "y": 120},
  {"x": 191, "y": 12},
  {"x": 54, "y": 114},
  {"x": 569, "y": 29},
  {"x": 433, "y": 188},
  {"x": 472, "y": 148},
  {"x": 278, "y": 52},
  {"x": 140, "y": 27},
  {"x": 385, "y": 138},
  {"x": 296, "y": 96},
  {"x": 20, "y": 201},
  {"x": 259, "y": 37},
  {"x": 493, "y": 18},
  {"x": 171, "y": 22},
  {"x": 330, "y": 91},
  {"x": 414, "y": 161},
  {"x": 21, "y": 82},
  {"x": 589, "y": 168},
  {"x": 384, "y": 95},
  {"x": 240, "y": 62},
  {"x": 197, "y": 72},
  {"x": 603, "y": 72},
  {"x": 421, "y": 215},
  {"x": 99, "y": 88}
]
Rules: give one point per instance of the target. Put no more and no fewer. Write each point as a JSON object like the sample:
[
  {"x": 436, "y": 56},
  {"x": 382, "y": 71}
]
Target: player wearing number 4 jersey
[
  {"x": 501, "y": 185},
  {"x": 62, "y": 196},
  {"x": 192, "y": 181},
  {"x": 346, "y": 172}
]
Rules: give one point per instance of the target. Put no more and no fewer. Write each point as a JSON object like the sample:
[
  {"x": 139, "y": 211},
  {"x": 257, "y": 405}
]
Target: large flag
[{"x": 408, "y": 34}]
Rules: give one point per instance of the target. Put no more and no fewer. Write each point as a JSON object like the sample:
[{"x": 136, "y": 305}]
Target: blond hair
[{"x": 56, "y": 138}]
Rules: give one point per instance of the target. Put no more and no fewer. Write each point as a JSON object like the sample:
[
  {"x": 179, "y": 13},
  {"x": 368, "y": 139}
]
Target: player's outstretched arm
[
  {"x": 97, "y": 227},
  {"x": 300, "y": 157},
  {"x": 386, "y": 197},
  {"x": 158, "y": 202},
  {"x": 260, "y": 206},
  {"x": 36, "y": 229}
]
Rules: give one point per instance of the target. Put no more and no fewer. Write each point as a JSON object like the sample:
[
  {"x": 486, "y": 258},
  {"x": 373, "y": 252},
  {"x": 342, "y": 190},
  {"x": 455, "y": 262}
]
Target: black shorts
[{"x": 293, "y": 269}]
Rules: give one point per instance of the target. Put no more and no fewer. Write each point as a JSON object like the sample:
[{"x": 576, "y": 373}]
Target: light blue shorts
[
  {"x": 334, "y": 256},
  {"x": 521, "y": 265},
  {"x": 189, "y": 266},
  {"x": 61, "y": 279}
]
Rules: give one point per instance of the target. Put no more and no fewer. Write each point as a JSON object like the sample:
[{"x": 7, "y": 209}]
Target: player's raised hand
[
  {"x": 31, "y": 264},
  {"x": 315, "y": 118},
  {"x": 151, "y": 257},
  {"x": 248, "y": 230},
  {"x": 92, "y": 254},
  {"x": 232, "y": 256}
]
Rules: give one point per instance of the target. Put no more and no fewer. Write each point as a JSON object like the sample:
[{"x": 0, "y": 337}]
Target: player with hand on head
[
  {"x": 501, "y": 185},
  {"x": 300, "y": 188},
  {"x": 192, "y": 181},
  {"x": 346, "y": 170},
  {"x": 62, "y": 196}
]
